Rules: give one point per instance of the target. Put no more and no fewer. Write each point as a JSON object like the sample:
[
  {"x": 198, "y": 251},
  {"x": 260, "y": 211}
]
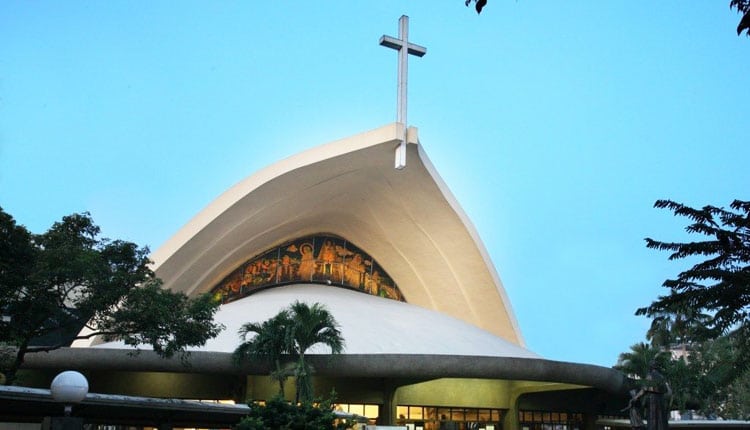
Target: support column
[{"x": 387, "y": 415}]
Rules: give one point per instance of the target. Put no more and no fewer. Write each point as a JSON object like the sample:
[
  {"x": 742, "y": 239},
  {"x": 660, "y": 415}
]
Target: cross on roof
[{"x": 403, "y": 61}]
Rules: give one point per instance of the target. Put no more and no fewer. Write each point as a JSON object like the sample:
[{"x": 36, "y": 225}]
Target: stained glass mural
[{"x": 319, "y": 259}]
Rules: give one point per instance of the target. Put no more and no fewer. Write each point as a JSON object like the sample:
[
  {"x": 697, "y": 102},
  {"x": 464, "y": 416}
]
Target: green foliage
[
  {"x": 701, "y": 377},
  {"x": 714, "y": 378},
  {"x": 637, "y": 362},
  {"x": 714, "y": 293},
  {"x": 737, "y": 403},
  {"x": 705, "y": 315},
  {"x": 54, "y": 284},
  {"x": 282, "y": 415},
  {"x": 312, "y": 325},
  {"x": 271, "y": 342},
  {"x": 286, "y": 337}
]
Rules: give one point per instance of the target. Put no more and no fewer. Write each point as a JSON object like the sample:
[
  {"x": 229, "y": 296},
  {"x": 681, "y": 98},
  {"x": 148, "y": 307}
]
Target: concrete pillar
[
  {"x": 387, "y": 413},
  {"x": 510, "y": 420}
]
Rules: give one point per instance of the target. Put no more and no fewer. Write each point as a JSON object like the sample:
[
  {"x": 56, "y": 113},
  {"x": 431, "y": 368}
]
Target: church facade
[{"x": 431, "y": 338}]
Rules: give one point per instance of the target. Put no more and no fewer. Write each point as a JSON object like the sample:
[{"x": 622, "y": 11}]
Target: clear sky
[{"x": 555, "y": 124}]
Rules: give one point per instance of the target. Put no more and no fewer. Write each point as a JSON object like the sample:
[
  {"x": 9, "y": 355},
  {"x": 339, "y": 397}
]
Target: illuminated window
[
  {"x": 546, "y": 420},
  {"x": 371, "y": 411},
  {"x": 415, "y": 413},
  {"x": 430, "y": 417}
]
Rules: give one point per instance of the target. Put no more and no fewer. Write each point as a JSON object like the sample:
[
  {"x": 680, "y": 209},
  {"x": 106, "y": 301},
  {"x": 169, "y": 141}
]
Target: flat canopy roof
[
  {"x": 393, "y": 366},
  {"x": 20, "y": 404}
]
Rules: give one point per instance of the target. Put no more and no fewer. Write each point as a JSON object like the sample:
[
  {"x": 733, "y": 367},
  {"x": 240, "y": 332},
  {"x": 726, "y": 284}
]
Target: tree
[
  {"x": 287, "y": 337},
  {"x": 677, "y": 330},
  {"x": 270, "y": 342},
  {"x": 311, "y": 325},
  {"x": 706, "y": 310},
  {"x": 742, "y": 7},
  {"x": 54, "y": 284},
  {"x": 718, "y": 286},
  {"x": 637, "y": 362}
]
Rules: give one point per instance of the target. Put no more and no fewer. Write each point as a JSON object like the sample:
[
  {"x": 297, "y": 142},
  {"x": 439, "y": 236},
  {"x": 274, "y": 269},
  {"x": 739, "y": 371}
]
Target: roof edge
[
  {"x": 388, "y": 133},
  {"x": 414, "y": 366},
  {"x": 471, "y": 229}
]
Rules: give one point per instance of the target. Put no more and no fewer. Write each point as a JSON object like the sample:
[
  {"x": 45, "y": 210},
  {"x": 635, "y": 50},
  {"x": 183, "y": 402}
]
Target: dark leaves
[
  {"x": 743, "y": 7},
  {"x": 58, "y": 281},
  {"x": 478, "y": 4},
  {"x": 287, "y": 337},
  {"x": 719, "y": 284}
]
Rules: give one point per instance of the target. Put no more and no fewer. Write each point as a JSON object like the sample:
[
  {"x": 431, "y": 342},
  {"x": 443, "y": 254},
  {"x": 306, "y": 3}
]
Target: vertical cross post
[{"x": 404, "y": 48}]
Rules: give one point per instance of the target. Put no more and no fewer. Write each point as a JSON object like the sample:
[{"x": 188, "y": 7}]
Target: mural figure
[
  {"x": 372, "y": 283},
  {"x": 354, "y": 271},
  {"x": 327, "y": 256},
  {"x": 307, "y": 263},
  {"x": 285, "y": 271},
  {"x": 247, "y": 277},
  {"x": 269, "y": 270},
  {"x": 233, "y": 285}
]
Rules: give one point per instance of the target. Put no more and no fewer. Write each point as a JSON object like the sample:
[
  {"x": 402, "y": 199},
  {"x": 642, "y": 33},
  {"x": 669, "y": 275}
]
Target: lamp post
[{"x": 68, "y": 388}]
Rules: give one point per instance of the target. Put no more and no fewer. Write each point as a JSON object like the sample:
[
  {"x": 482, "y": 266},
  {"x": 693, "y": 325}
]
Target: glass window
[
  {"x": 415, "y": 412},
  {"x": 402, "y": 410},
  {"x": 444, "y": 413},
  {"x": 357, "y": 409},
  {"x": 458, "y": 415},
  {"x": 372, "y": 411},
  {"x": 430, "y": 414}
]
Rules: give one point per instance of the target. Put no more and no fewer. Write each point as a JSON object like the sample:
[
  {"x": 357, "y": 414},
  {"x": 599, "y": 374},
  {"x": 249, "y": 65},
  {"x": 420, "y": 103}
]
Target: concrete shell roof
[
  {"x": 407, "y": 220},
  {"x": 369, "y": 324}
]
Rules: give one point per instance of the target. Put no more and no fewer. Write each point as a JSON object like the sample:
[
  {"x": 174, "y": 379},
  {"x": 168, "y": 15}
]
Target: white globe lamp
[{"x": 69, "y": 387}]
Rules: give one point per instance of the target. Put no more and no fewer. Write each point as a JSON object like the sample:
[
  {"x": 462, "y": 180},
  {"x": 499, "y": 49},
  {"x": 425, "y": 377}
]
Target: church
[
  {"x": 431, "y": 340},
  {"x": 430, "y": 335}
]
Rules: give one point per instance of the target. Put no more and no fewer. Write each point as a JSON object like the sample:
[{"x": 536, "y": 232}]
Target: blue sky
[{"x": 555, "y": 124}]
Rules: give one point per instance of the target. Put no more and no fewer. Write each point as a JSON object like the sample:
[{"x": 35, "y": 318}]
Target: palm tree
[
  {"x": 311, "y": 325},
  {"x": 677, "y": 328},
  {"x": 271, "y": 342},
  {"x": 637, "y": 362},
  {"x": 289, "y": 335}
]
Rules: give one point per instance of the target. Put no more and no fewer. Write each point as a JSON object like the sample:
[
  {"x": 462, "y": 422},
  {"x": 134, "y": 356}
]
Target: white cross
[{"x": 403, "y": 61}]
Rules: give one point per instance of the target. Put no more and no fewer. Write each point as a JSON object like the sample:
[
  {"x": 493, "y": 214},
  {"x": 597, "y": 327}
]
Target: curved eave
[
  {"x": 406, "y": 219},
  {"x": 397, "y": 366}
]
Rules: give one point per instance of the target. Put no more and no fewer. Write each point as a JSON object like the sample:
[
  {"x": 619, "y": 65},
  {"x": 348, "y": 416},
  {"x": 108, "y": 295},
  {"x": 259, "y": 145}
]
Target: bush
[{"x": 282, "y": 415}]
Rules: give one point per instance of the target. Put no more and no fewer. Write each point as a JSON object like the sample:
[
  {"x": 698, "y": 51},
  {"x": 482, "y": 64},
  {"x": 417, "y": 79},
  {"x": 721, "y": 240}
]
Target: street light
[{"x": 69, "y": 387}]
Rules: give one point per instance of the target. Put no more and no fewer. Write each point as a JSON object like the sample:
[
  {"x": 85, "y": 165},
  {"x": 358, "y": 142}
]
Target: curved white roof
[
  {"x": 407, "y": 220},
  {"x": 369, "y": 325}
]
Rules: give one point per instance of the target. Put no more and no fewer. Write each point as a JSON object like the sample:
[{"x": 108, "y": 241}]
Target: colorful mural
[{"x": 320, "y": 259}]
